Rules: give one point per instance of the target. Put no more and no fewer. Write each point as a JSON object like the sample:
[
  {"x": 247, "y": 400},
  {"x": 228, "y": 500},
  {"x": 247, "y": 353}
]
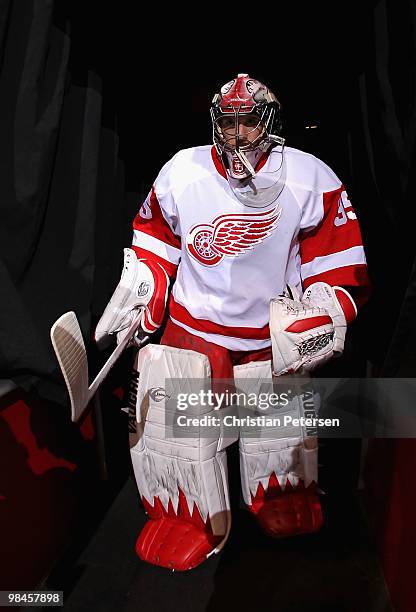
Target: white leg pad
[
  {"x": 163, "y": 463},
  {"x": 286, "y": 451}
]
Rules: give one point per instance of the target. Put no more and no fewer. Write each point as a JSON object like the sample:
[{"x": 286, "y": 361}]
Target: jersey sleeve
[
  {"x": 156, "y": 234},
  {"x": 331, "y": 248}
]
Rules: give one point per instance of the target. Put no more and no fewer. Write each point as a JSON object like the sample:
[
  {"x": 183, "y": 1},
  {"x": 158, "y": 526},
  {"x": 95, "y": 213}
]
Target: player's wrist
[
  {"x": 347, "y": 303},
  {"x": 336, "y": 300}
]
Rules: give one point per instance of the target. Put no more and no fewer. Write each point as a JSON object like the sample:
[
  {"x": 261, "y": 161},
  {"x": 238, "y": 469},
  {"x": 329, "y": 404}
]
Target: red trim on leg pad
[
  {"x": 174, "y": 543},
  {"x": 178, "y": 541},
  {"x": 283, "y": 513}
]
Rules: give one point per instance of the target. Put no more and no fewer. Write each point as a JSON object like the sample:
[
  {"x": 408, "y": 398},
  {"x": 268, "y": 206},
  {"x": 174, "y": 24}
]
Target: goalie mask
[{"x": 246, "y": 130}]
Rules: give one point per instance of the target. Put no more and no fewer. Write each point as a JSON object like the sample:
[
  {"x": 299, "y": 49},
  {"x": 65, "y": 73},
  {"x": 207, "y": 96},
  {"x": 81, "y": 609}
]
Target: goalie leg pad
[
  {"x": 279, "y": 467},
  {"x": 182, "y": 481}
]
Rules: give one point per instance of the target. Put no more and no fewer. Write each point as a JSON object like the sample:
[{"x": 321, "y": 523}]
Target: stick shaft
[{"x": 114, "y": 356}]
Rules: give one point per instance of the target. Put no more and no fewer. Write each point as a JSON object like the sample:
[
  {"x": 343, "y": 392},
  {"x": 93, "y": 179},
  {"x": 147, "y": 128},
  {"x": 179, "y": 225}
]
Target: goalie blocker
[{"x": 143, "y": 282}]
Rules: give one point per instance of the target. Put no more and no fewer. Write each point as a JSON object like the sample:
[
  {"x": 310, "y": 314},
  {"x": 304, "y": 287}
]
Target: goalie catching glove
[
  {"x": 308, "y": 332},
  {"x": 142, "y": 283}
]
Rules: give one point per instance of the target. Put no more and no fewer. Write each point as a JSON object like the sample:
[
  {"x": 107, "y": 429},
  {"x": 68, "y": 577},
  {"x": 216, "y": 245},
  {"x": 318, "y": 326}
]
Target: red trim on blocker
[
  {"x": 156, "y": 225},
  {"x": 179, "y": 312},
  {"x": 348, "y": 276},
  {"x": 305, "y": 324}
]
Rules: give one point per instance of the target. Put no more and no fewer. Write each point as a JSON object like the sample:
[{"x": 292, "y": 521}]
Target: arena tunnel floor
[{"x": 335, "y": 570}]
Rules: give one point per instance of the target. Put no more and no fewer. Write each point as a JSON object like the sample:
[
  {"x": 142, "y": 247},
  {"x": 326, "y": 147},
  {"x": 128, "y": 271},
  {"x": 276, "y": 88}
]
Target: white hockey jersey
[{"x": 232, "y": 259}]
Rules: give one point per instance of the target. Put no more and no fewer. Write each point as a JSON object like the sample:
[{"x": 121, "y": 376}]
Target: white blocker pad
[
  {"x": 288, "y": 451},
  {"x": 164, "y": 463}
]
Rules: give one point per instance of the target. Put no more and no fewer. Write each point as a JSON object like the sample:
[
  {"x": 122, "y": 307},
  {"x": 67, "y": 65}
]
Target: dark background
[
  {"x": 94, "y": 102},
  {"x": 94, "y": 98}
]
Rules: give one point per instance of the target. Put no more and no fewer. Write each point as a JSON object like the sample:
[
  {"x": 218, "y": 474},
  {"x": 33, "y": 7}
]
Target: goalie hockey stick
[{"x": 70, "y": 351}]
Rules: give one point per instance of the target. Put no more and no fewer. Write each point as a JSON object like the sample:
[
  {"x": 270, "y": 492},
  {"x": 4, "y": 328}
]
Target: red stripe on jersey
[
  {"x": 155, "y": 224},
  {"x": 178, "y": 312},
  {"x": 218, "y": 163},
  {"x": 347, "y": 276},
  {"x": 336, "y": 232},
  {"x": 262, "y": 161},
  {"x": 305, "y": 324},
  {"x": 168, "y": 266}
]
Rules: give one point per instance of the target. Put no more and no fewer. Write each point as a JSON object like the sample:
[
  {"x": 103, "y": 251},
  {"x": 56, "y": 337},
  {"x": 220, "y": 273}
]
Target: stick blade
[{"x": 70, "y": 351}]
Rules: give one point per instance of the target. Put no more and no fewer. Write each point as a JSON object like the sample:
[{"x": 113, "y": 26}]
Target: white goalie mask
[{"x": 246, "y": 131}]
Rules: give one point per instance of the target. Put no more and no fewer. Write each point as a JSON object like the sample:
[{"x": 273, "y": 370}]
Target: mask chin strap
[{"x": 245, "y": 162}]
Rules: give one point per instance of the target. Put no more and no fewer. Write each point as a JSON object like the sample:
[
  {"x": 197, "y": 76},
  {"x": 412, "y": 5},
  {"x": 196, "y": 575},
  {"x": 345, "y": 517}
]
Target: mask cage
[{"x": 268, "y": 117}]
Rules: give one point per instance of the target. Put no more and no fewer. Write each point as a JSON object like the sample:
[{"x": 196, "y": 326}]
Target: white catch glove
[
  {"x": 141, "y": 284},
  {"x": 308, "y": 332}
]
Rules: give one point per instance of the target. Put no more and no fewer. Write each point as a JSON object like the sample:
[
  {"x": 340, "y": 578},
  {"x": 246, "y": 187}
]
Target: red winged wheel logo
[{"x": 230, "y": 235}]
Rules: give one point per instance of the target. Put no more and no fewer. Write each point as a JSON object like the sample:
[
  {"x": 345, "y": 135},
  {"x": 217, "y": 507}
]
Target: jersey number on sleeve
[
  {"x": 343, "y": 213},
  {"x": 145, "y": 211}
]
